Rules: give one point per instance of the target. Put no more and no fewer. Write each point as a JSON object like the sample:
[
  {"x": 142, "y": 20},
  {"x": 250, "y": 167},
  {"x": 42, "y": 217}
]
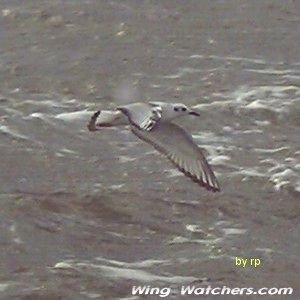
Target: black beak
[{"x": 194, "y": 113}]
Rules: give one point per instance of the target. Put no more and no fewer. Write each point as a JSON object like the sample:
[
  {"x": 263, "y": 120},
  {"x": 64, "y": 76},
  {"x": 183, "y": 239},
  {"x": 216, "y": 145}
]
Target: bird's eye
[
  {"x": 183, "y": 108},
  {"x": 176, "y": 108}
]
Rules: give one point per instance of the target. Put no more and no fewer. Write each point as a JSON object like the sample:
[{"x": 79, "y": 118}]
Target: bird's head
[{"x": 179, "y": 109}]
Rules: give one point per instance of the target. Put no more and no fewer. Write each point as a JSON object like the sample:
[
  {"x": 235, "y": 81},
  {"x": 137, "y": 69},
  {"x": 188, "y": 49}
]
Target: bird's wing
[
  {"x": 156, "y": 103},
  {"x": 142, "y": 115},
  {"x": 106, "y": 118},
  {"x": 178, "y": 146}
]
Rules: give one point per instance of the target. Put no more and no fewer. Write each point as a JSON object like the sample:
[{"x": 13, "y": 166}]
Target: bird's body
[{"x": 152, "y": 123}]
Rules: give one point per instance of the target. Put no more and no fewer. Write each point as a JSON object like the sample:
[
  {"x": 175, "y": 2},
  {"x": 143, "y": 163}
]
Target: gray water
[{"x": 88, "y": 215}]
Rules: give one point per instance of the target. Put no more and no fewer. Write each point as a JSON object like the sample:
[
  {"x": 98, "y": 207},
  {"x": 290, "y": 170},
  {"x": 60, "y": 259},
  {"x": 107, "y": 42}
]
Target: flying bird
[{"x": 153, "y": 123}]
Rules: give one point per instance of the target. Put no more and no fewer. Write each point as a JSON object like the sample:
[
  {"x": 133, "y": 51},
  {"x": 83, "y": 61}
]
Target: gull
[{"x": 153, "y": 123}]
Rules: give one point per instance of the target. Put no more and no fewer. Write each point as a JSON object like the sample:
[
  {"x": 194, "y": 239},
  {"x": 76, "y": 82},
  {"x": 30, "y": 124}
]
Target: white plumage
[{"x": 152, "y": 123}]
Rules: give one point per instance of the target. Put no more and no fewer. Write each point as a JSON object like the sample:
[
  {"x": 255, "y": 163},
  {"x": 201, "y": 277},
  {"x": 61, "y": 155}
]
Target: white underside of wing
[
  {"x": 168, "y": 138},
  {"x": 178, "y": 147},
  {"x": 112, "y": 117}
]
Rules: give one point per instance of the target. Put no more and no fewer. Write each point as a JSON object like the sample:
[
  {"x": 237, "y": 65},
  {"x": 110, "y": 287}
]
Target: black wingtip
[
  {"x": 212, "y": 188},
  {"x": 208, "y": 187},
  {"x": 92, "y": 123},
  {"x": 215, "y": 190},
  {"x": 202, "y": 183}
]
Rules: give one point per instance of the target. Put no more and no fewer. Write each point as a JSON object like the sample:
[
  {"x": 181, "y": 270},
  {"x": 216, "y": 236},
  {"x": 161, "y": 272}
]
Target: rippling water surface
[{"x": 87, "y": 216}]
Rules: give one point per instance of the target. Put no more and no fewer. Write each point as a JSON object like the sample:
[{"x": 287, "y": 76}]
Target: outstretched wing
[
  {"x": 178, "y": 146},
  {"x": 142, "y": 115}
]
